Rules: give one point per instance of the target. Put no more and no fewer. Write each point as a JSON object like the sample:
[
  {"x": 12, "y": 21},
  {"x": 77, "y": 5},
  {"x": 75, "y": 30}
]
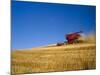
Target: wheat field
[{"x": 54, "y": 58}]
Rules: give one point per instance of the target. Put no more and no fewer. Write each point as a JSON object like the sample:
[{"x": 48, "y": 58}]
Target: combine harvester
[{"x": 71, "y": 38}]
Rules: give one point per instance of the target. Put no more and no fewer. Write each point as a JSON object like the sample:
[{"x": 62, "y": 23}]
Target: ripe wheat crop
[{"x": 54, "y": 58}]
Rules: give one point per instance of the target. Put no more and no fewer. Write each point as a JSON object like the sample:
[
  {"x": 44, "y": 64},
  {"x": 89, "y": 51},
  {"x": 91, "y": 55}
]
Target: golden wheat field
[{"x": 54, "y": 58}]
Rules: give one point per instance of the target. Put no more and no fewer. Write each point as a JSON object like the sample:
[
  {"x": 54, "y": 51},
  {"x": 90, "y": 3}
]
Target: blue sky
[{"x": 36, "y": 24}]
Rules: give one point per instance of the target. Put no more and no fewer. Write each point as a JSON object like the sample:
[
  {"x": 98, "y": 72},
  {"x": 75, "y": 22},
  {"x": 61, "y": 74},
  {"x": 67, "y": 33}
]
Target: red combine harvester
[{"x": 71, "y": 38}]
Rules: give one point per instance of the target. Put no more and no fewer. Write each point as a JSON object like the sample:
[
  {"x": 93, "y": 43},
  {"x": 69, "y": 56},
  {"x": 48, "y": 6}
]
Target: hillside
[{"x": 54, "y": 58}]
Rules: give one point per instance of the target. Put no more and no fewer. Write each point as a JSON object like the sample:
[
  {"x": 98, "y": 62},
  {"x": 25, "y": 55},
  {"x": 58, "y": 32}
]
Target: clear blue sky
[{"x": 36, "y": 24}]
